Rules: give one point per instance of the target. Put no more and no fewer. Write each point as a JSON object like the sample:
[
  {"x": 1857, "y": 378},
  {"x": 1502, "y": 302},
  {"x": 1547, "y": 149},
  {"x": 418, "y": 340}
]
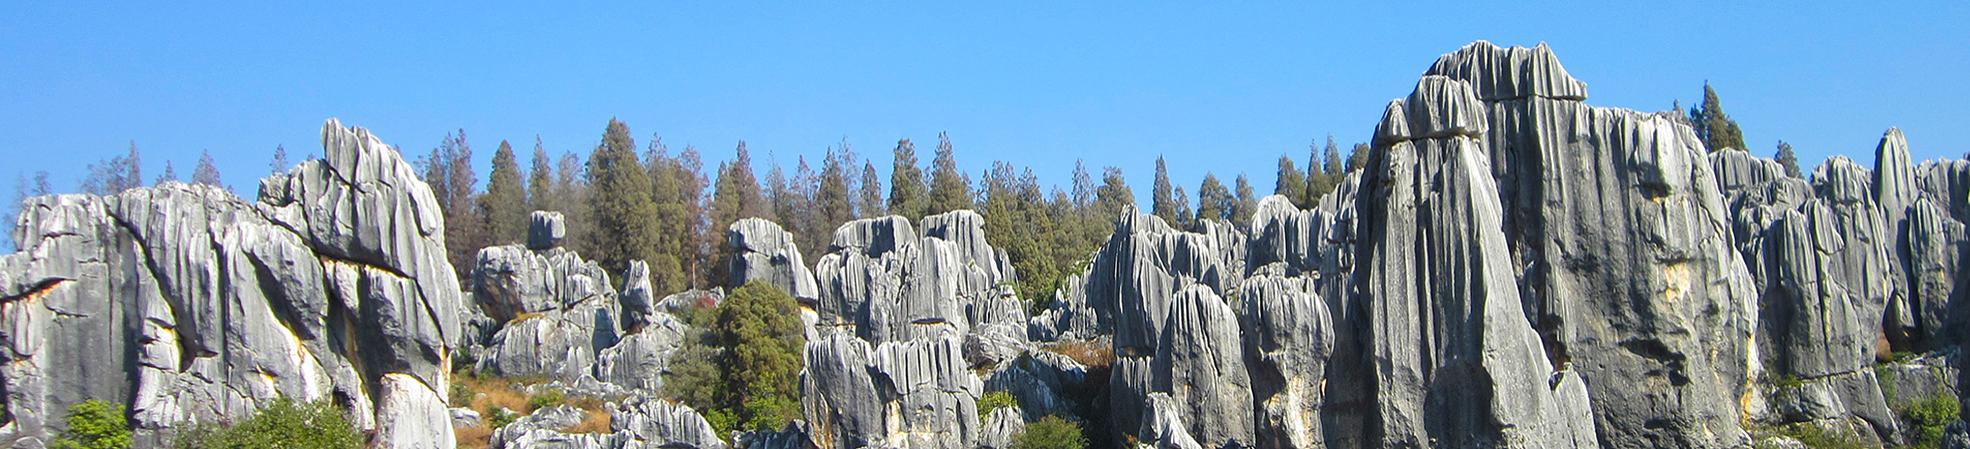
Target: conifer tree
[
  {"x": 833, "y": 201},
  {"x": 504, "y": 206},
  {"x": 1214, "y": 201},
  {"x": 871, "y": 203},
  {"x": 540, "y": 180},
  {"x": 908, "y": 190},
  {"x": 1246, "y": 203},
  {"x": 1162, "y": 197},
  {"x": 571, "y": 195},
  {"x": 279, "y": 164},
  {"x": 207, "y": 171},
  {"x": 1357, "y": 157},
  {"x": 619, "y": 202},
  {"x": 691, "y": 183},
  {"x": 1332, "y": 164},
  {"x": 169, "y": 175},
  {"x": 1712, "y": 125},
  {"x": 1182, "y": 210},
  {"x": 1291, "y": 182},
  {"x": 1786, "y": 158},
  {"x": 1318, "y": 180},
  {"x": 1084, "y": 187},
  {"x": 735, "y": 195},
  {"x": 949, "y": 188},
  {"x": 673, "y": 243}
]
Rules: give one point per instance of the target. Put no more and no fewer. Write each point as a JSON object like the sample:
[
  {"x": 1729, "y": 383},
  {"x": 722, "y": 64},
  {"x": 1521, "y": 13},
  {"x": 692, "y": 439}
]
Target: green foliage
[
  {"x": 94, "y": 424},
  {"x": 1214, "y": 200},
  {"x": 995, "y": 400},
  {"x": 1929, "y": 417},
  {"x": 283, "y": 424},
  {"x": 1814, "y": 437},
  {"x": 1245, "y": 203},
  {"x": 744, "y": 370},
  {"x": 1787, "y": 159},
  {"x": 1051, "y": 432},
  {"x": 1884, "y": 376},
  {"x": 1162, "y": 195},
  {"x": 620, "y": 202},
  {"x": 1357, "y": 157},
  {"x": 1291, "y": 182},
  {"x": 547, "y": 398},
  {"x": 674, "y": 196},
  {"x": 735, "y": 196},
  {"x": 1717, "y": 130},
  {"x": 908, "y": 192},
  {"x": 950, "y": 189},
  {"x": 502, "y": 417},
  {"x": 504, "y": 206}
]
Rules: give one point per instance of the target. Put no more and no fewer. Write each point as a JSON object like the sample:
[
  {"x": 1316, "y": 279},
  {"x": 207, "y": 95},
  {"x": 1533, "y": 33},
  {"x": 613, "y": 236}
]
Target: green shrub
[
  {"x": 547, "y": 398},
  {"x": 285, "y": 424},
  {"x": 995, "y": 400},
  {"x": 502, "y": 417},
  {"x": 743, "y": 371},
  {"x": 94, "y": 424},
  {"x": 1929, "y": 417},
  {"x": 1051, "y": 432}
]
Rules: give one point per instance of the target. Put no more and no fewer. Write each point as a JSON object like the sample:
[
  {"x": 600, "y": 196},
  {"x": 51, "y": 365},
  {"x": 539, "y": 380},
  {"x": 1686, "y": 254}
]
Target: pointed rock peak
[
  {"x": 1894, "y": 175},
  {"x": 1394, "y": 127},
  {"x": 1510, "y": 73},
  {"x": 1843, "y": 181}
]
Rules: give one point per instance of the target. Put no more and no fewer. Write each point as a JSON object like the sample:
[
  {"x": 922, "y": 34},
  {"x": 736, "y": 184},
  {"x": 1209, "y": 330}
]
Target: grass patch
[
  {"x": 1812, "y": 436},
  {"x": 1928, "y": 419},
  {"x": 995, "y": 400},
  {"x": 1088, "y": 353},
  {"x": 592, "y": 421}
]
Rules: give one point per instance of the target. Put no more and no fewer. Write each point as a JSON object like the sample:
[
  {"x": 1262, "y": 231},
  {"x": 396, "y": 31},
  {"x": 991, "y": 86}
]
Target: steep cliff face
[{"x": 191, "y": 305}]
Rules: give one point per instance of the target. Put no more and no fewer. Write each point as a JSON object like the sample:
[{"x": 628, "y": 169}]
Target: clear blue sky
[{"x": 1212, "y": 87}]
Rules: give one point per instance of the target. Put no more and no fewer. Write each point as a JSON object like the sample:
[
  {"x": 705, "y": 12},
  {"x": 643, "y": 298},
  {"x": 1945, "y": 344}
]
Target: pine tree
[
  {"x": 133, "y": 169},
  {"x": 1712, "y": 125},
  {"x": 279, "y": 164},
  {"x": 1247, "y": 203},
  {"x": 1084, "y": 187},
  {"x": 540, "y": 181},
  {"x": 620, "y": 201},
  {"x": 908, "y": 191},
  {"x": 870, "y": 204},
  {"x": 1214, "y": 201},
  {"x": 1182, "y": 210},
  {"x": 1786, "y": 158},
  {"x": 207, "y": 172},
  {"x": 691, "y": 185},
  {"x": 1318, "y": 180},
  {"x": 571, "y": 195},
  {"x": 1162, "y": 198},
  {"x": 1357, "y": 157},
  {"x": 949, "y": 188},
  {"x": 453, "y": 182},
  {"x": 805, "y": 223},
  {"x": 1332, "y": 164},
  {"x": 1291, "y": 182},
  {"x": 833, "y": 202},
  {"x": 673, "y": 245},
  {"x": 504, "y": 206},
  {"x": 735, "y": 195},
  {"x": 169, "y": 175}
]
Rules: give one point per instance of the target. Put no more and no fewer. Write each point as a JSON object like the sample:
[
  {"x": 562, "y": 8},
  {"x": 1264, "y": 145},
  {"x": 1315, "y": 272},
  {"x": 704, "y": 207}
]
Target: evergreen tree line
[{"x": 624, "y": 202}]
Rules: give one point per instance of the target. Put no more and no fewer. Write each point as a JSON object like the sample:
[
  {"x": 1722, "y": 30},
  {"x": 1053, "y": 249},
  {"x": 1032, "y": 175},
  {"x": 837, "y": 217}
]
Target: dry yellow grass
[
  {"x": 1087, "y": 353},
  {"x": 475, "y": 437},
  {"x": 491, "y": 393},
  {"x": 596, "y": 421}
]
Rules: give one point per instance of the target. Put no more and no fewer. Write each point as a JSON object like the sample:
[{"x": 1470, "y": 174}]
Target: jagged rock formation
[
  {"x": 636, "y": 423},
  {"x": 191, "y": 305},
  {"x": 901, "y": 320}
]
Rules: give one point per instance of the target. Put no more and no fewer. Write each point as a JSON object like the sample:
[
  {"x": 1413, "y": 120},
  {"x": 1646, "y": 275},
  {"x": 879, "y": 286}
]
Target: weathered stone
[
  {"x": 1001, "y": 427},
  {"x": 545, "y": 230},
  {"x": 1289, "y": 336},
  {"x": 762, "y": 252},
  {"x": 188, "y": 304}
]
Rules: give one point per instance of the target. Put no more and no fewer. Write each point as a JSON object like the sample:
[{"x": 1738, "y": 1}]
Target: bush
[
  {"x": 1051, "y": 432},
  {"x": 1929, "y": 417},
  {"x": 283, "y": 424},
  {"x": 743, "y": 371},
  {"x": 94, "y": 424},
  {"x": 995, "y": 400},
  {"x": 502, "y": 417},
  {"x": 547, "y": 398}
]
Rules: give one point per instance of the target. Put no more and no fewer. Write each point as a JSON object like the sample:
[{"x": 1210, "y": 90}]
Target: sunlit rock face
[{"x": 188, "y": 304}]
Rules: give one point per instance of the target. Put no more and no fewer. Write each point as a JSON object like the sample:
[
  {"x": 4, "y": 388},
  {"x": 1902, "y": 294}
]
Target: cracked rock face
[
  {"x": 191, "y": 305},
  {"x": 902, "y": 319}
]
